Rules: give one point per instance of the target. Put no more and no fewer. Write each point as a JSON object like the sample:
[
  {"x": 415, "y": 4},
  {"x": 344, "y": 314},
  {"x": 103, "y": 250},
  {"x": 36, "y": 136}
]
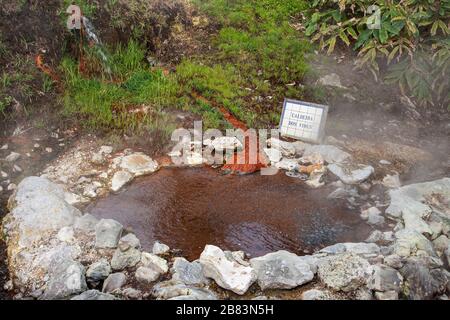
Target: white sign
[{"x": 303, "y": 120}]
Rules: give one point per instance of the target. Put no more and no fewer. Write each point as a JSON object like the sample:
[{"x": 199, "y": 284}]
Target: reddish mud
[{"x": 189, "y": 208}]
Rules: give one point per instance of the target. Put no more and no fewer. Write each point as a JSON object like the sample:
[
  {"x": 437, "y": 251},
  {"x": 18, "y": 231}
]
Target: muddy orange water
[{"x": 189, "y": 208}]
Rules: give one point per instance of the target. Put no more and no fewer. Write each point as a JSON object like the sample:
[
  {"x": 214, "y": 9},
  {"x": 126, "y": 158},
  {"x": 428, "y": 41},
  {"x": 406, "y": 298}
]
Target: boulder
[
  {"x": 351, "y": 174},
  {"x": 412, "y": 197},
  {"x": 153, "y": 261},
  {"x": 114, "y": 282},
  {"x": 119, "y": 179},
  {"x": 99, "y": 270},
  {"x": 384, "y": 279},
  {"x": 409, "y": 242},
  {"x": 344, "y": 272},
  {"x": 282, "y": 270},
  {"x": 226, "y": 271},
  {"x": 189, "y": 273},
  {"x": 38, "y": 209},
  {"x": 179, "y": 291},
  {"x": 125, "y": 259},
  {"x": 66, "y": 279},
  {"x": 421, "y": 283},
  {"x": 138, "y": 164},
  {"x": 129, "y": 241},
  {"x": 146, "y": 275},
  {"x": 94, "y": 295},
  {"x": 160, "y": 248},
  {"x": 107, "y": 233},
  {"x": 359, "y": 248},
  {"x": 329, "y": 153}
]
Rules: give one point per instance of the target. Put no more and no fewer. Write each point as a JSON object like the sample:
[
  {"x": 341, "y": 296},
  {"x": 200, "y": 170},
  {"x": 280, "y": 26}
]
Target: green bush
[{"x": 412, "y": 33}]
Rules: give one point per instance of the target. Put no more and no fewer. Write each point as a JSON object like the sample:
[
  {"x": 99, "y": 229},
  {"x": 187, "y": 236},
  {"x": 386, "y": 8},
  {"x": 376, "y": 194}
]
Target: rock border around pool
[{"x": 56, "y": 252}]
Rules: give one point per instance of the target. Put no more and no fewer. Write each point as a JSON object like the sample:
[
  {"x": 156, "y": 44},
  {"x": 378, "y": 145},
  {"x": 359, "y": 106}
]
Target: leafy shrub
[{"x": 413, "y": 33}]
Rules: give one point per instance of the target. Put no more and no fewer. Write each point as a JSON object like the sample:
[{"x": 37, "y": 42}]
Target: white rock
[
  {"x": 106, "y": 150},
  {"x": 392, "y": 181},
  {"x": 16, "y": 168},
  {"x": 120, "y": 179},
  {"x": 282, "y": 270},
  {"x": 11, "y": 187},
  {"x": 146, "y": 275},
  {"x": 287, "y": 164},
  {"x": 287, "y": 149},
  {"x": 223, "y": 143},
  {"x": 329, "y": 153},
  {"x": 226, "y": 271},
  {"x": 138, "y": 164},
  {"x": 4, "y": 147},
  {"x": 344, "y": 272},
  {"x": 351, "y": 174},
  {"x": 66, "y": 234},
  {"x": 107, "y": 233},
  {"x": 331, "y": 80},
  {"x": 274, "y": 155},
  {"x": 160, "y": 248},
  {"x": 129, "y": 241},
  {"x": 49, "y": 150},
  {"x": 3, "y": 174},
  {"x": 370, "y": 211},
  {"x": 154, "y": 262},
  {"x": 13, "y": 156}
]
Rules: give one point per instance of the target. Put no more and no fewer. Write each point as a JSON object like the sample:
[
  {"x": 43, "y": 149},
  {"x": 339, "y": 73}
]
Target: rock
[
  {"x": 351, "y": 174},
  {"x": 411, "y": 197},
  {"x": 286, "y": 149},
  {"x": 11, "y": 187},
  {"x": 385, "y": 162},
  {"x": 315, "y": 178},
  {"x": 12, "y": 157},
  {"x": 226, "y": 271},
  {"x": 384, "y": 279},
  {"x": 94, "y": 295},
  {"x": 281, "y": 270},
  {"x": 98, "y": 158},
  {"x": 344, "y": 272},
  {"x": 114, "y": 281},
  {"x": 441, "y": 244},
  {"x": 329, "y": 153},
  {"x": 392, "y": 181},
  {"x": 73, "y": 199},
  {"x": 129, "y": 241},
  {"x": 16, "y": 168},
  {"x": 106, "y": 150},
  {"x": 99, "y": 270},
  {"x": 160, "y": 248},
  {"x": 414, "y": 222},
  {"x": 66, "y": 279},
  {"x": 66, "y": 234},
  {"x": 125, "y": 259},
  {"x": 4, "y": 147},
  {"x": 363, "y": 294},
  {"x": 107, "y": 233},
  {"x": 409, "y": 242},
  {"x": 388, "y": 295},
  {"x": 189, "y": 273},
  {"x": 274, "y": 155},
  {"x": 359, "y": 248},
  {"x": 375, "y": 236},
  {"x": 287, "y": 164},
  {"x": 49, "y": 150},
  {"x": 315, "y": 294},
  {"x": 38, "y": 209},
  {"x": 393, "y": 261},
  {"x": 447, "y": 255},
  {"x": 436, "y": 229},
  {"x": 120, "y": 179},
  {"x": 138, "y": 164},
  {"x": 154, "y": 262},
  {"x": 343, "y": 193},
  {"x": 174, "y": 290},
  {"x": 374, "y": 211},
  {"x": 375, "y": 219},
  {"x": 3, "y": 174},
  {"x": 331, "y": 80},
  {"x": 223, "y": 143},
  {"x": 86, "y": 223},
  {"x": 132, "y": 293},
  {"x": 146, "y": 275},
  {"x": 421, "y": 283}
]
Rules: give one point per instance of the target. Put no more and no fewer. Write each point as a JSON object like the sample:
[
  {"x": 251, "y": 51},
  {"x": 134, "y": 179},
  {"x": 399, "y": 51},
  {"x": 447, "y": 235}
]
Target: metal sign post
[{"x": 303, "y": 120}]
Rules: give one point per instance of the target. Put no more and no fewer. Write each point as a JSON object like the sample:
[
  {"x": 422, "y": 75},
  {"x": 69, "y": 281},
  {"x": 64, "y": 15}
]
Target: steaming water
[
  {"x": 92, "y": 37},
  {"x": 189, "y": 208}
]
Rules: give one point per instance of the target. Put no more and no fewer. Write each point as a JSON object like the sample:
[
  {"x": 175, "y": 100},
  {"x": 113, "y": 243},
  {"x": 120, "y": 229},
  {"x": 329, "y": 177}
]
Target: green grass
[{"x": 100, "y": 103}]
